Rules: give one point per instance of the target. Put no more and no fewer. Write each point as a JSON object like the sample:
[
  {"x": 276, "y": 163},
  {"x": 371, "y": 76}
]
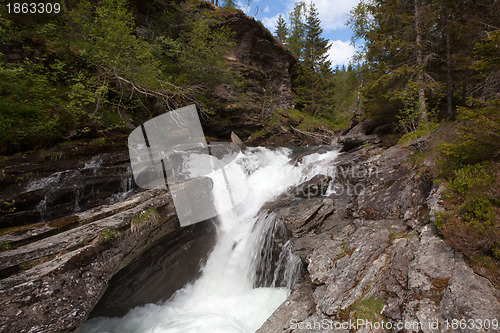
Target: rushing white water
[{"x": 227, "y": 297}]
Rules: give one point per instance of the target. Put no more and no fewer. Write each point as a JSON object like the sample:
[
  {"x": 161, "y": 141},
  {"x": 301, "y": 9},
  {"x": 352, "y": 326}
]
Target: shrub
[{"x": 471, "y": 222}]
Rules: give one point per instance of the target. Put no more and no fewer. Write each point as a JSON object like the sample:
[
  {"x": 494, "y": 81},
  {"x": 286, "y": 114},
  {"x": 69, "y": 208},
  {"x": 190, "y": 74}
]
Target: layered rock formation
[
  {"x": 369, "y": 249},
  {"x": 52, "y": 284},
  {"x": 66, "y": 179},
  {"x": 371, "y": 253}
]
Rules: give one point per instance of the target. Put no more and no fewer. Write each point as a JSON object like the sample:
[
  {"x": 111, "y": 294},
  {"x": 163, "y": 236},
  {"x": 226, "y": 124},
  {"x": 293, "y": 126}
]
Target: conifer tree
[
  {"x": 281, "y": 30},
  {"x": 315, "y": 75},
  {"x": 297, "y": 29},
  {"x": 315, "y": 46}
]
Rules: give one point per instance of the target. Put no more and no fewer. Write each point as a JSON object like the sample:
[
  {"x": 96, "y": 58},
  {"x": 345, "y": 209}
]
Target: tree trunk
[
  {"x": 358, "y": 98},
  {"x": 422, "y": 108},
  {"x": 449, "y": 105}
]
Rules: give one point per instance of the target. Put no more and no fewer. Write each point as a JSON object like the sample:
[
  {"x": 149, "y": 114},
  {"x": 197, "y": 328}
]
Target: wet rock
[
  {"x": 305, "y": 215},
  {"x": 299, "y": 306},
  {"x": 42, "y": 186},
  {"x": 378, "y": 246},
  {"x": 356, "y": 137},
  {"x": 350, "y": 143},
  {"x": 158, "y": 273},
  {"x": 53, "y": 283},
  {"x": 237, "y": 144},
  {"x": 314, "y": 187}
]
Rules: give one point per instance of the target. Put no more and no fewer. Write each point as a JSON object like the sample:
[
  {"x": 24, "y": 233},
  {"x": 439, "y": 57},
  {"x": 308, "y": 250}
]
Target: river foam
[{"x": 225, "y": 298}]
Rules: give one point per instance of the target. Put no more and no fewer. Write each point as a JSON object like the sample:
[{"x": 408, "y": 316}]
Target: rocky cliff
[
  {"x": 266, "y": 66},
  {"x": 43, "y": 185},
  {"x": 53, "y": 282},
  {"x": 371, "y": 253},
  {"x": 74, "y": 226}
]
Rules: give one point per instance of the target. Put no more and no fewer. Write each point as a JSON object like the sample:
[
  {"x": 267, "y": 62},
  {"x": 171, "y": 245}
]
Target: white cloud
[
  {"x": 270, "y": 22},
  {"x": 266, "y": 10},
  {"x": 340, "y": 52},
  {"x": 334, "y": 13}
]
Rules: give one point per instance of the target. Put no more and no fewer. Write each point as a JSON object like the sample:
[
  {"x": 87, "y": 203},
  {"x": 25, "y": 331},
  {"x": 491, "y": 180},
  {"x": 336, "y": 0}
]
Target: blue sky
[{"x": 333, "y": 15}]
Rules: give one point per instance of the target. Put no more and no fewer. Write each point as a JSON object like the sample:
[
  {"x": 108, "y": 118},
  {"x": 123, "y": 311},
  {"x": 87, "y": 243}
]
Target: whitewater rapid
[{"x": 225, "y": 297}]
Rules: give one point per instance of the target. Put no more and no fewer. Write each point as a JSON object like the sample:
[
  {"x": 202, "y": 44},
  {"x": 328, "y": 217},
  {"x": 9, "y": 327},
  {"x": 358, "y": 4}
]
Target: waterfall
[
  {"x": 127, "y": 187},
  {"x": 251, "y": 268}
]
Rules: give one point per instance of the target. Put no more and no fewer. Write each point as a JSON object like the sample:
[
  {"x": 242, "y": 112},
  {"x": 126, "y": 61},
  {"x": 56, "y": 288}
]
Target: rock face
[
  {"x": 52, "y": 284},
  {"x": 265, "y": 65},
  {"x": 64, "y": 180},
  {"x": 371, "y": 254},
  {"x": 369, "y": 251}
]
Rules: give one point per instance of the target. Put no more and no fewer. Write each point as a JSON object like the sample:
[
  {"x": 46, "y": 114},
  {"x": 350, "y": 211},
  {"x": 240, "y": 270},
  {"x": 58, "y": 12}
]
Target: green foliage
[
  {"x": 411, "y": 121},
  {"x": 423, "y": 47},
  {"x": 202, "y": 53},
  {"x": 105, "y": 37},
  {"x": 297, "y": 30},
  {"x": 468, "y": 186},
  {"x": 293, "y": 120},
  {"x": 312, "y": 82},
  {"x": 4, "y": 246},
  {"x": 315, "y": 46},
  {"x": 109, "y": 234},
  {"x": 478, "y": 136},
  {"x": 149, "y": 216},
  {"x": 368, "y": 309},
  {"x": 93, "y": 72},
  {"x": 25, "y": 265},
  {"x": 145, "y": 215},
  {"x": 471, "y": 222},
  {"x": 30, "y": 109},
  {"x": 281, "y": 31},
  {"x": 344, "y": 97},
  {"x": 8, "y": 206}
]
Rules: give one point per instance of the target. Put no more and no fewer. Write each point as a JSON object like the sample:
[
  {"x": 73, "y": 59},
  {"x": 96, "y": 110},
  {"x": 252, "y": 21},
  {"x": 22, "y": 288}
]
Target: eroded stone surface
[
  {"x": 52, "y": 285},
  {"x": 378, "y": 244}
]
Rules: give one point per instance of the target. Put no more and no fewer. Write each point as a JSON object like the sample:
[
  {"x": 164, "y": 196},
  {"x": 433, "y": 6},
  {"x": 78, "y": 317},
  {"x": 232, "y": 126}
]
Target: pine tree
[
  {"x": 315, "y": 73},
  {"x": 420, "y": 54},
  {"x": 399, "y": 51},
  {"x": 281, "y": 31},
  {"x": 297, "y": 30},
  {"x": 315, "y": 46}
]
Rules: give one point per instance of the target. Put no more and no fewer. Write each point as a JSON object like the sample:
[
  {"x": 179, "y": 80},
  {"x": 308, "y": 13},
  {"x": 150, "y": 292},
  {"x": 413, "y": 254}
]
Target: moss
[
  {"x": 8, "y": 206},
  {"x": 259, "y": 134},
  {"x": 397, "y": 235},
  {"x": 108, "y": 234},
  {"x": 145, "y": 215},
  {"x": 346, "y": 251},
  {"x": 148, "y": 216},
  {"x": 440, "y": 284},
  {"x": 407, "y": 235},
  {"x": 25, "y": 265},
  {"x": 99, "y": 141},
  {"x": 368, "y": 309},
  {"x": 4, "y": 246}
]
